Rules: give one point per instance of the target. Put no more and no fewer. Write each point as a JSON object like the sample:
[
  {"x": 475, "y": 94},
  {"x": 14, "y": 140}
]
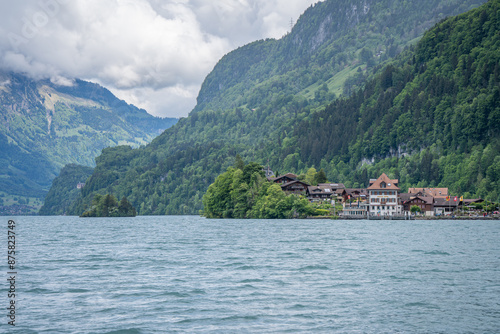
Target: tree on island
[
  {"x": 243, "y": 192},
  {"x": 108, "y": 206}
]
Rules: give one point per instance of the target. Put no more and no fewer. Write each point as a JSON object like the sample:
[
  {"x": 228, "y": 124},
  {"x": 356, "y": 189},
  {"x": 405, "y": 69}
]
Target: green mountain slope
[
  {"x": 332, "y": 46},
  {"x": 45, "y": 126},
  {"x": 293, "y": 133}
]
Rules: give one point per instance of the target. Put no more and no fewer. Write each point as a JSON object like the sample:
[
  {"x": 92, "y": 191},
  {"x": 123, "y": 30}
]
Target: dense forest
[{"x": 428, "y": 117}]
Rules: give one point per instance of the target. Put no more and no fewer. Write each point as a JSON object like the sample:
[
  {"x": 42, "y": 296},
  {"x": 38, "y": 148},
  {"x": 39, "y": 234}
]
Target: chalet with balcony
[
  {"x": 295, "y": 187},
  {"x": 425, "y": 203}
]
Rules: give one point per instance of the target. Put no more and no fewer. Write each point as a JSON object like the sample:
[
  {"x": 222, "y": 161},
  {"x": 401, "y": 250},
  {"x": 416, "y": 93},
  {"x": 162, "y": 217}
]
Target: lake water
[{"x": 193, "y": 275}]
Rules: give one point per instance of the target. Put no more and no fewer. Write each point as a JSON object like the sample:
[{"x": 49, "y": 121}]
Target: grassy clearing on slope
[{"x": 335, "y": 84}]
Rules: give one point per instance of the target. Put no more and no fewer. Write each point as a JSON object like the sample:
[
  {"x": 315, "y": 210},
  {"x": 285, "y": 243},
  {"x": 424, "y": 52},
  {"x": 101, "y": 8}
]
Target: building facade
[
  {"x": 323, "y": 191},
  {"x": 384, "y": 197},
  {"x": 295, "y": 187},
  {"x": 424, "y": 203}
]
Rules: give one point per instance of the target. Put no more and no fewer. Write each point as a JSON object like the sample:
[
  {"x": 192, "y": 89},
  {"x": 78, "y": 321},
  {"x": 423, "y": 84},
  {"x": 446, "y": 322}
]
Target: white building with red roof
[{"x": 384, "y": 197}]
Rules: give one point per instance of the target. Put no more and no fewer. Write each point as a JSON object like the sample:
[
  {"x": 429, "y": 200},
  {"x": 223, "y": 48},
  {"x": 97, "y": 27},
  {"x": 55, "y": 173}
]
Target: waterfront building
[{"x": 384, "y": 197}]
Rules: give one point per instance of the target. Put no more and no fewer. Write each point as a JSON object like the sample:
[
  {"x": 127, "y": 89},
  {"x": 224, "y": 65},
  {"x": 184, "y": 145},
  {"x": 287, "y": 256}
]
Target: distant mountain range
[
  {"x": 45, "y": 126},
  {"x": 352, "y": 89}
]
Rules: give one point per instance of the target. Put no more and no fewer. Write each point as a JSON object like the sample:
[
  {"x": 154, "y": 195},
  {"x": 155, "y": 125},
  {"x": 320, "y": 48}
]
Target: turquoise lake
[{"x": 186, "y": 274}]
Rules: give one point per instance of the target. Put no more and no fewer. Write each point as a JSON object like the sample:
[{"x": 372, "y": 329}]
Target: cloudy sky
[{"x": 151, "y": 53}]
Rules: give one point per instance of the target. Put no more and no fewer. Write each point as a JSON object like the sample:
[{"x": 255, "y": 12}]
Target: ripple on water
[
  {"x": 126, "y": 331},
  {"x": 192, "y": 275},
  {"x": 436, "y": 252}
]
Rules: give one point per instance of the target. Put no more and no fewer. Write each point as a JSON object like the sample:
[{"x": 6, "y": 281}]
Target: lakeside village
[{"x": 383, "y": 199}]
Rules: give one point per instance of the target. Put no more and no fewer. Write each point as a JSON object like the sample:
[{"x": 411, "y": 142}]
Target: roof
[
  {"x": 434, "y": 192},
  {"x": 352, "y": 191},
  {"x": 332, "y": 185},
  {"x": 355, "y": 192},
  {"x": 441, "y": 201},
  {"x": 476, "y": 200},
  {"x": 287, "y": 175},
  {"x": 384, "y": 182},
  {"x": 320, "y": 189},
  {"x": 426, "y": 199},
  {"x": 292, "y": 182},
  {"x": 405, "y": 196}
]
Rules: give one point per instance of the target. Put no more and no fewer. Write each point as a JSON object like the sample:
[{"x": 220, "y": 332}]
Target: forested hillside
[
  {"x": 421, "y": 118},
  {"x": 45, "y": 126},
  {"x": 329, "y": 52},
  {"x": 64, "y": 189},
  {"x": 432, "y": 117}
]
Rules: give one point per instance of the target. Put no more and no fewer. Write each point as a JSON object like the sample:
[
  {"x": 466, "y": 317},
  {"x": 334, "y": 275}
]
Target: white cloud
[
  {"x": 152, "y": 53},
  {"x": 62, "y": 81}
]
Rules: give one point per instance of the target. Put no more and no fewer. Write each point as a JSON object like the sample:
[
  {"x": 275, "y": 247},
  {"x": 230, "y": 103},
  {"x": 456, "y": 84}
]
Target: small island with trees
[
  {"x": 108, "y": 206},
  {"x": 243, "y": 191}
]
